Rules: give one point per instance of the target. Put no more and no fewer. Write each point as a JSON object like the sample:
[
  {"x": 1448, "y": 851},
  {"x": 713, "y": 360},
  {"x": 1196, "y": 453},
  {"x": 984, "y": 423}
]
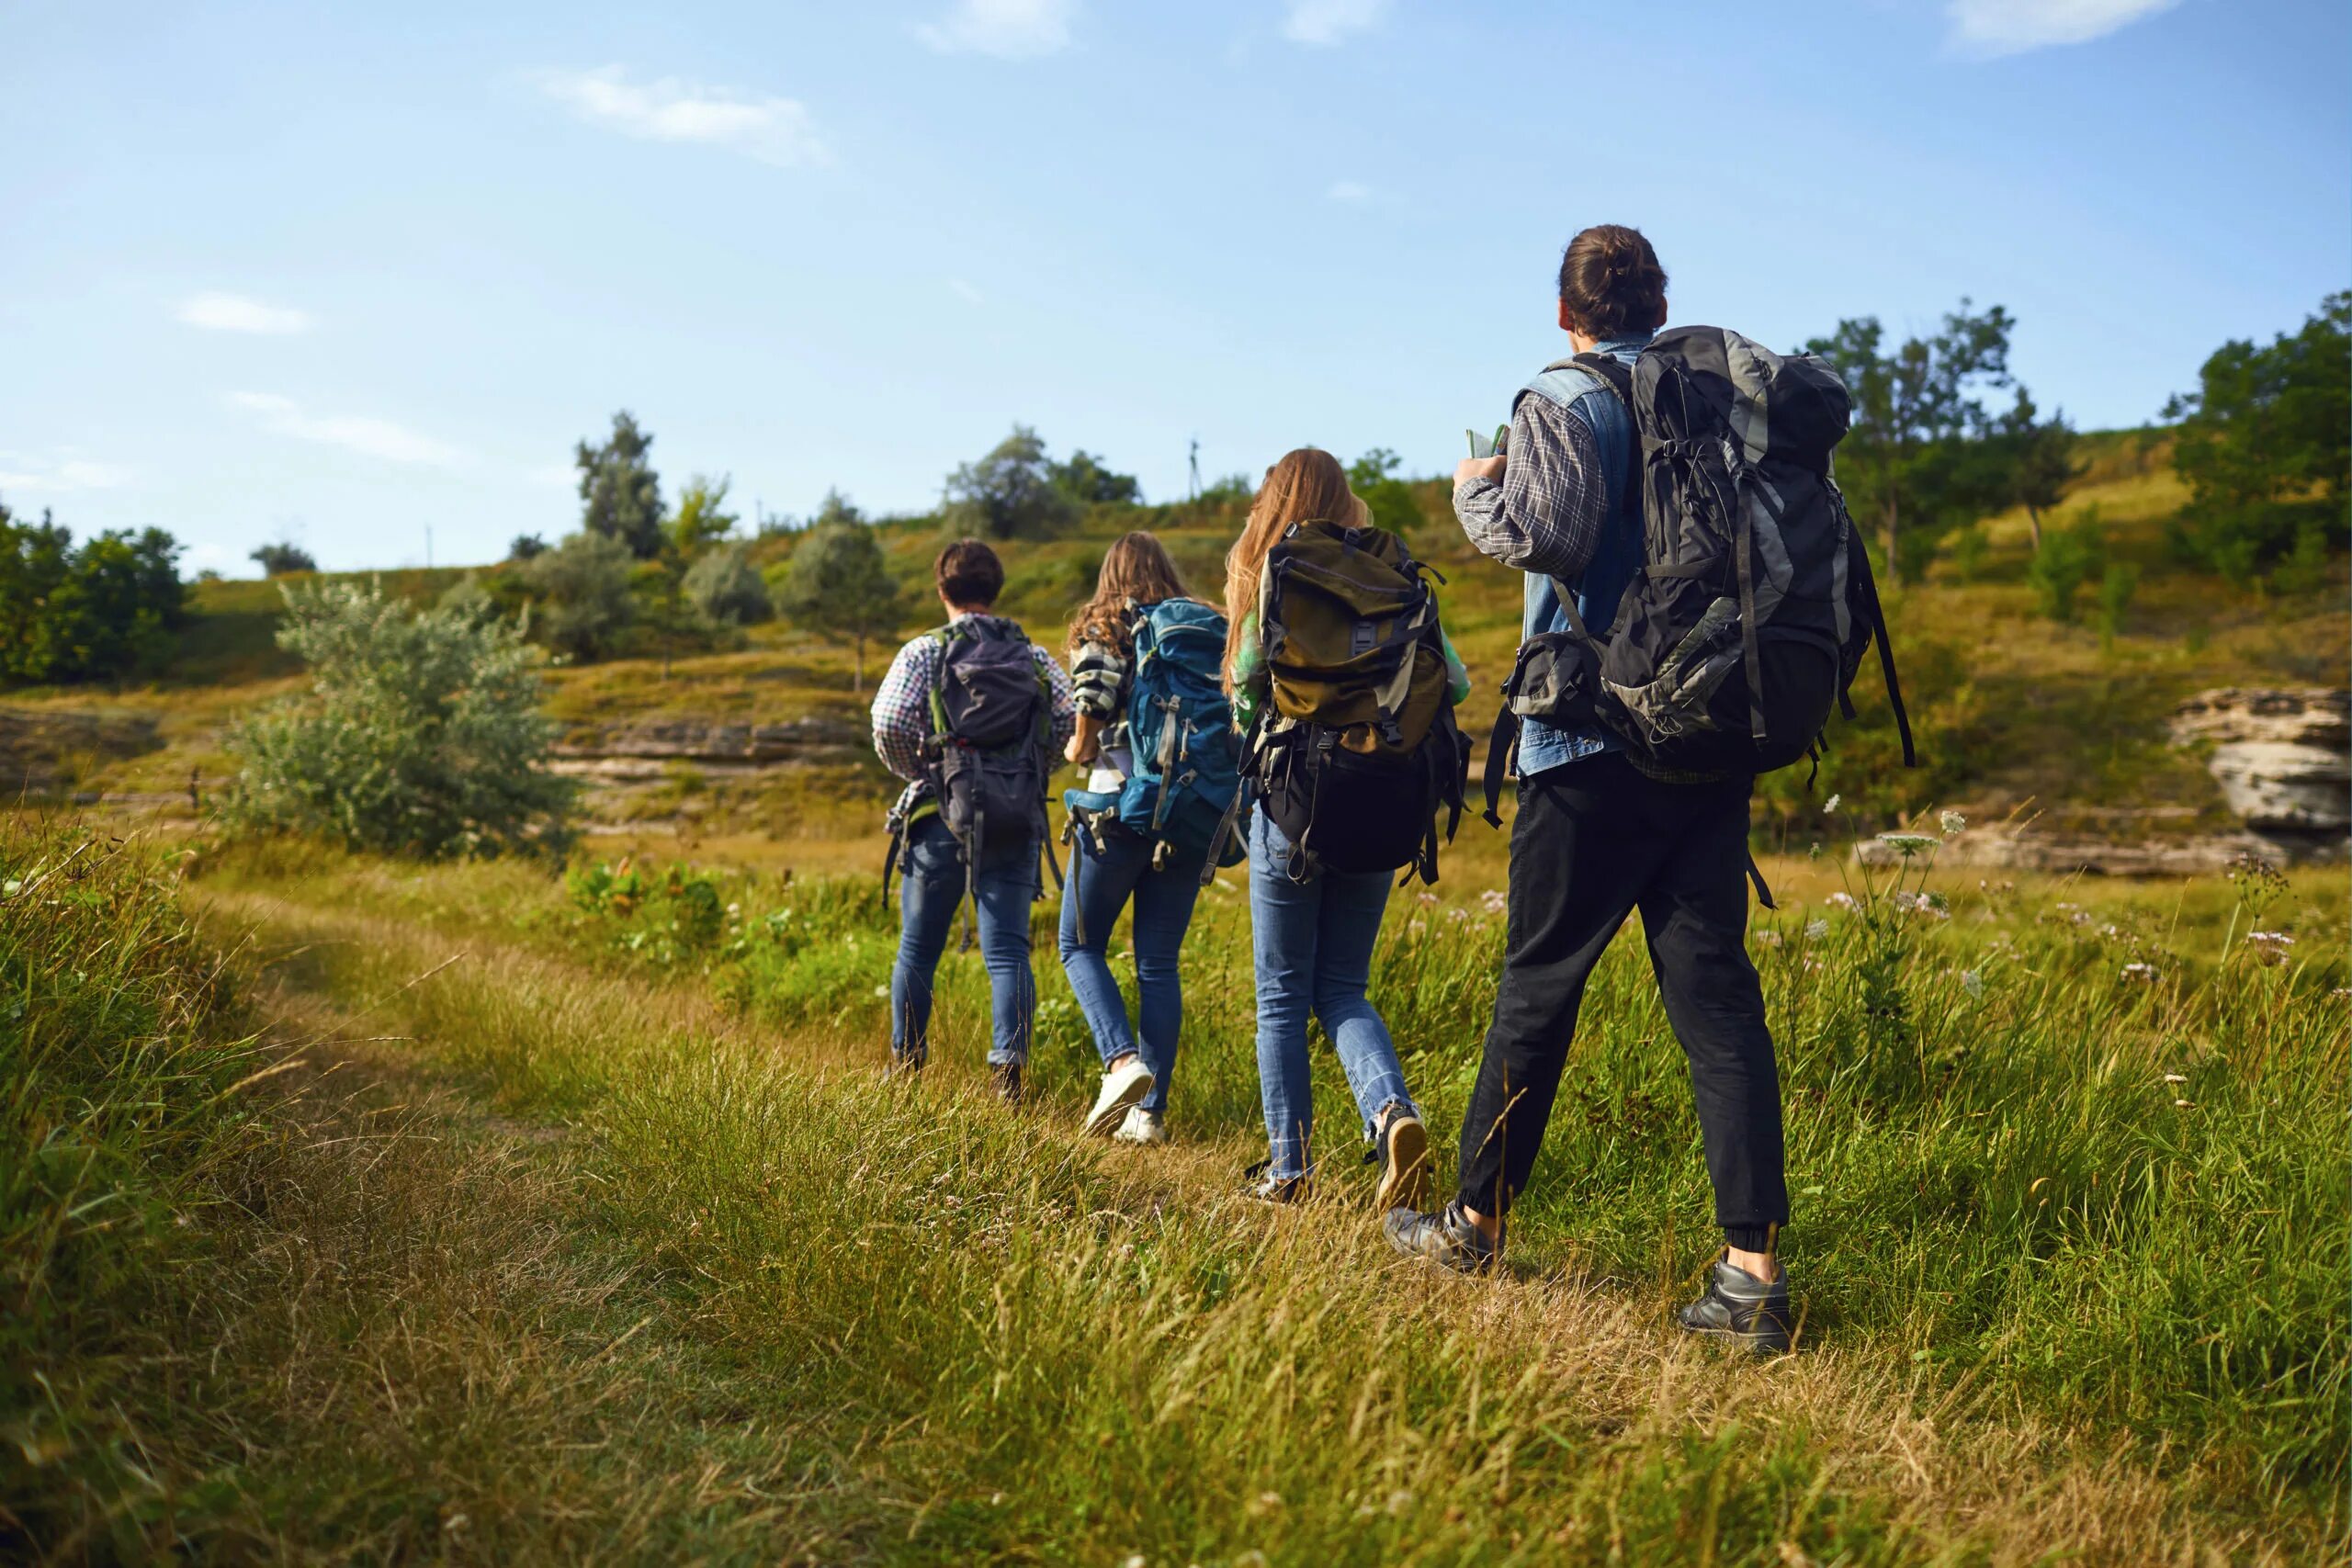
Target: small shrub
[
  {"x": 421, "y": 735},
  {"x": 724, "y": 586},
  {"x": 2115, "y": 591},
  {"x": 2063, "y": 564},
  {"x": 584, "y": 583}
]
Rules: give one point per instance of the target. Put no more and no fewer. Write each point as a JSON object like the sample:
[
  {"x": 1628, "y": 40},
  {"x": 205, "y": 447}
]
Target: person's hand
[
  {"x": 1080, "y": 748},
  {"x": 1477, "y": 468}
]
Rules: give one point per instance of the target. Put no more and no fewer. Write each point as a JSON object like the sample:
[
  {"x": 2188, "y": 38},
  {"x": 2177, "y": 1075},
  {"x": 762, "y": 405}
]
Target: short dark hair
[
  {"x": 969, "y": 573},
  {"x": 1611, "y": 283}
]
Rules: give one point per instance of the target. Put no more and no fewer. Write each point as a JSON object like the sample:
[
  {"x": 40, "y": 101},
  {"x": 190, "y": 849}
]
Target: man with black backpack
[
  {"x": 971, "y": 715},
  {"x": 1696, "y": 599}
]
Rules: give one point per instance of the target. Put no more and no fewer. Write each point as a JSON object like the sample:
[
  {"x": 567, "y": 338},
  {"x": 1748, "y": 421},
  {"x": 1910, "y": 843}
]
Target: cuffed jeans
[
  {"x": 1313, "y": 941},
  {"x": 929, "y": 894},
  {"x": 1100, "y": 883},
  {"x": 1594, "y": 840}
]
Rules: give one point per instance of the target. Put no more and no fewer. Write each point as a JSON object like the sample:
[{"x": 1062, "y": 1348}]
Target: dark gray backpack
[{"x": 1755, "y": 606}]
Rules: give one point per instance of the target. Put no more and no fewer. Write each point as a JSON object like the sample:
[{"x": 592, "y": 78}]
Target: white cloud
[
  {"x": 772, "y": 130},
  {"x": 1328, "y": 22},
  {"x": 355, "y": 433},
  {"x": 239, "y": 313},
  {"x": 62, "y": 475},
  {"x": 964, "y": 291},
  {"x": 2013, "y": 26},
  {"x": 1349, "y": 193},
  {"x": 1010, "y": 30}
]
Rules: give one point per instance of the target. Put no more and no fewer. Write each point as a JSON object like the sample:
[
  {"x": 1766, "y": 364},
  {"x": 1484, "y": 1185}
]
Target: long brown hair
[
  {"x": 1306, "y": 486},
  {"x": 1136, "y": 569}
]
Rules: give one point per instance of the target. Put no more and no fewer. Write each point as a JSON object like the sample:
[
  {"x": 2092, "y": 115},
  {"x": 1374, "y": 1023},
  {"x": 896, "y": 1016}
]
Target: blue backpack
[{"x": 1187, "y": 766}]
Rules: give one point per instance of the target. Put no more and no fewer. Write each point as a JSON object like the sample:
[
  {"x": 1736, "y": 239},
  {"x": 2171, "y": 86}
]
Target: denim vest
[{"x": 1616, "y": 558}]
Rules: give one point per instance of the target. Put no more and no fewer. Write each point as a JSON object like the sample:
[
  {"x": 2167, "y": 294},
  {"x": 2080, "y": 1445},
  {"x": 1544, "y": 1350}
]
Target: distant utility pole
[
  {"x": 1196, "y": 468},
  {"x": 428, "y": 547}
]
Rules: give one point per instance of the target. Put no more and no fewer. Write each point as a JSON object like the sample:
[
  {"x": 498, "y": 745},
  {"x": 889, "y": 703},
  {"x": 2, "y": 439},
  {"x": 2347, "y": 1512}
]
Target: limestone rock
[{"x": 2280, "y": 755}]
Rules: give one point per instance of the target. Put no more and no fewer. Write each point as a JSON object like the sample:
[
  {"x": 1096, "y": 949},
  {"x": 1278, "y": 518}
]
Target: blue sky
[{"x": 342, "y": 274}]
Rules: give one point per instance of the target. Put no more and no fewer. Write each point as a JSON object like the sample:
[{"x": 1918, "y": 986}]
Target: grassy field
[{"x": 366, "y": 1210}]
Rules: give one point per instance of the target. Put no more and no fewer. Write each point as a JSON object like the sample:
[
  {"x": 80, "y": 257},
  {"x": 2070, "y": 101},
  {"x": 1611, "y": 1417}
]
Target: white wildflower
[
  {"x": 2143, "y": 972},
  {"x": 1768, "y": 939},
  {"x": 2270, "y": 947},
  {"x": 1952, "y": 822},
  {"x": 1815, "y": 929},
  {"x": 2175, "y": 1078},
  {"x": 1973, "y": 984},
  {"x": 1906, "y": 844},
  {"x": 1493, "y": 901},
  {"x": 1841, "y": 899},
  {"x": 1830, "y": 805}
]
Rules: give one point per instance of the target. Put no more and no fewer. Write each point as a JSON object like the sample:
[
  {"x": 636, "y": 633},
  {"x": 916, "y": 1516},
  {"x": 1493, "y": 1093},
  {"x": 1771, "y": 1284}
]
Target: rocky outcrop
[
  {"x": 2005, "y": 848},
  {"x": 2284, "y": 759},
  {"x": 649, "y": 748}
]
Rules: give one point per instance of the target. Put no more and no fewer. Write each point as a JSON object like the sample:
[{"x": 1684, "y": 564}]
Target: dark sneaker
[
  {"x": 1444, "y": 1237},
  {"x": 1005, "y": 1077},
  {"x": 1268, "y": 1188},
  {"x": 1738, "y": 1307},
  {"x": 904, "y": 1065},
  {"x": 1401, "y": 1149}
]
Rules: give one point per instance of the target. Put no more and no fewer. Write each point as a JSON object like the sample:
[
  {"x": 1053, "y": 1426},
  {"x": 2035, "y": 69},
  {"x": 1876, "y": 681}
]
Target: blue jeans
[
  {"x": 1313, "y": 941},
  {"x": 1100, "y": 884},
  {"x": 933, "y": 887}
]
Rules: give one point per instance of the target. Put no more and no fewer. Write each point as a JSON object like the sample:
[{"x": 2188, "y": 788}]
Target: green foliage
[
  {"x": 584, "y": 583},
  {"x": 1918, "y": 461},
  {"x": 725, "y": 587},
  {"x": 838, "y": 584},
  {"x": 526, "y": 547},
  {"x": 283, "y": 558},
  {"x": 421, "y": 733},
  {"x": 701, "y": 519},
  {"x": 2067, "y": 559},
  {"x": 1965, "y": 548},
  {"x": 676, "y": 918},
  {"x": 1088, "y": 481},
  {"x": 104, "y": 608},
  {"x": 1009, "y": 494},
  {"x": 1373, "y": 478},
  {"x": 2266, "y": 446},
  {"x": 2040, "y": 456},
  {"x": 619, "y": 492},
  {"x": 2120, "y": 580}
]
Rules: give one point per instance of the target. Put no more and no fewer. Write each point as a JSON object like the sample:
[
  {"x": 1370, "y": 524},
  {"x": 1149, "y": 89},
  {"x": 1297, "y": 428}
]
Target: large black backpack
[
  {"x": 1755, "y": 606},
  {"x": 1355, "y": 753},
  {"x": 991, "y": 732}
]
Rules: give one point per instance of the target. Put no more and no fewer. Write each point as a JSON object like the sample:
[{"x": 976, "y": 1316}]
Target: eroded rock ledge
[{"x": 649, "y": 748}]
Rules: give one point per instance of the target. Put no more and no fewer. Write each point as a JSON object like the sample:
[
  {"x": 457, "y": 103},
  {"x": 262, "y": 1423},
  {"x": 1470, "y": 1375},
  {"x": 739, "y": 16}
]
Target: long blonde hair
[
  {"x": 1136, "y": 569},
  {"x": 1305, "y": 486}
]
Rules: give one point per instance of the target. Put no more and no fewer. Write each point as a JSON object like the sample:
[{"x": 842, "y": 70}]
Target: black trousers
[{"x": 1593, "y": 841}]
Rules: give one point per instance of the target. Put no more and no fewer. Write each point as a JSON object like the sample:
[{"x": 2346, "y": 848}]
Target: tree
[
  {"x": 2266, "y": 446},
  {"x": 421, "y": 733},
  {"x": 1009, "y": 494},
  {"x": 2058, "y": 573},
  {"x": 2041, "y": 455},
  {"x": 837, "y": 510},
  {"x": 106, "y": 607},
  {"x": 1374, "y": 477},
  {"x": 1088, "y": 481},
  {"x": 725, "y": 587},
  {"x": 619, "y": 492},
  {"x": 1909, "y": 460},
  {"x": 283, "y": 558},
  {"x": 838, "y": 585},
  {"x": 585, "y": 582},
  {"x": 527, "y": 547},
  {"x": 701, "y": 519}
]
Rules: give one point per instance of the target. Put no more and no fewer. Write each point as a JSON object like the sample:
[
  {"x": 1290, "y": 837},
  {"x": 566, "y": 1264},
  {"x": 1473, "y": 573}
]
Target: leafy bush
[
  {"x": 75, "y": 613},
  {"x": 2115, "y": 591},
  {"x": 1011, "y": 493},
  {"x": 724, "y": 586},
  {"x": 421, "y": 733},
  {"x": 282, "y": 558},
  {"x": 585, "y": 583},
  {"x": 2064, "y": 563}
]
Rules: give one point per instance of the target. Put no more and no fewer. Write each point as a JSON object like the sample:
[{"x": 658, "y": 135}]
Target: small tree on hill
[
  {"x": 619, "y": 492},
  {"x": 421, "y": 733},
  {"x": 584, "y": 582},
  {"x": 1088, "y": 480},
  {"x": 701, "y": 519},
  {"x": 838, "y": 585},
  {"x": 1374, "y": 477},
  {"x": 283, "y": 558},
  {"x": 1917, "y": 412},
  {"x": 2041, "y": 455},
  {"x": 526, "y": 547},
  {"x": 1009, "y": 494},
  {"x": 725, "y": 587}
]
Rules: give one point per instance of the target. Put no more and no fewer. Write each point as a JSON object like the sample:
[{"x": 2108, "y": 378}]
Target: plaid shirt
[
  {"x": 902, "y": 712},
  {"x": 1545, "y": 515}
]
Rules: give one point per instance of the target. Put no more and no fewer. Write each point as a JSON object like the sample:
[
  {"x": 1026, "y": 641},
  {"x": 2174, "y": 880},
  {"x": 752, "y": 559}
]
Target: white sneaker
[
  {"x": 1142, "y": 1127},
  {"x": 1122, "y": 1087}
]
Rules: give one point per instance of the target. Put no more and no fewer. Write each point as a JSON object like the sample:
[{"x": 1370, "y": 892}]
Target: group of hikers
[{"x": 1695, "y": 601}]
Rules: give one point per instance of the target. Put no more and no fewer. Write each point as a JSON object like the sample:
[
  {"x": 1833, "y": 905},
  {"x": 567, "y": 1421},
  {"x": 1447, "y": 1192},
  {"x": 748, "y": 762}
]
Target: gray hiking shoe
[
  {"x": 1446, "y": 1236},
  {"x": 1743, "y": 1309}
]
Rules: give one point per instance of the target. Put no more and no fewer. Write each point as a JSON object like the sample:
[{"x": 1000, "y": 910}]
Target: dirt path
[{"x": 502, "y": 1193}]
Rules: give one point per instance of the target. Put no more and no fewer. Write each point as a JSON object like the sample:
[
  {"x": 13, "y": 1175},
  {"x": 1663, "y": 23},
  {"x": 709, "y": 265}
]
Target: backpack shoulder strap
[{"x": 1610, "y": 371}]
